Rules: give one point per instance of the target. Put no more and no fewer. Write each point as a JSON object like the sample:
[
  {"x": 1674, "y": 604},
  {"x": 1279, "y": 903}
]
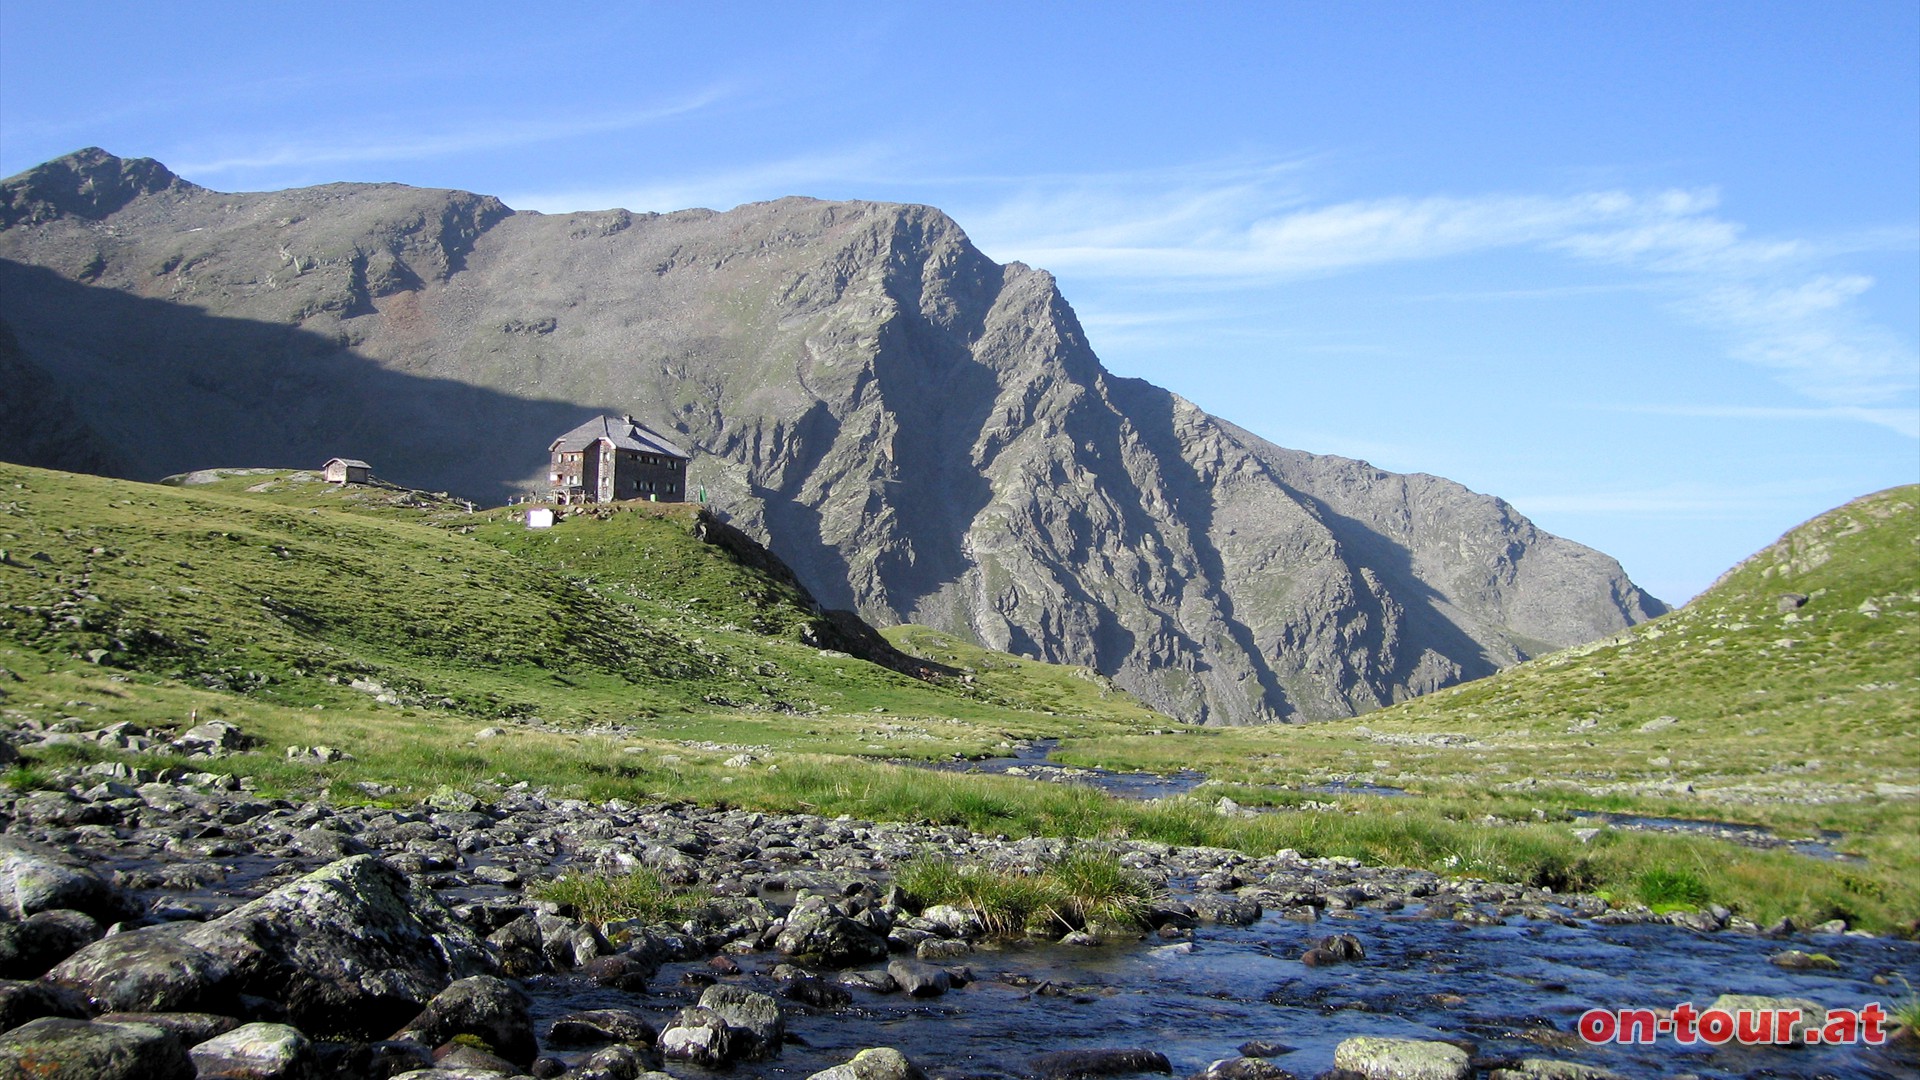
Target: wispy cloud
[
  {"x": 1778, "y": 302},
  {"x": 1906, "y": 421},
  {"x": 491, "y": 134}
]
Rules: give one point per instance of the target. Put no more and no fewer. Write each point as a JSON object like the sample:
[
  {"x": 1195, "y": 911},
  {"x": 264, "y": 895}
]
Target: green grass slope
[{"x": 294, "y": 592}]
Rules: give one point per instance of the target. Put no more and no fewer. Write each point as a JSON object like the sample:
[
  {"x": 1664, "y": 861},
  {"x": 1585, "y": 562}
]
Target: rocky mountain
[{"x": 923, "y": 434}]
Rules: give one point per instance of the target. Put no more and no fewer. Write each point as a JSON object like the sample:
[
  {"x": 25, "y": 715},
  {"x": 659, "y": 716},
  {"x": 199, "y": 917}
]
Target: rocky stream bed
[{"x": 180, "y": 925}]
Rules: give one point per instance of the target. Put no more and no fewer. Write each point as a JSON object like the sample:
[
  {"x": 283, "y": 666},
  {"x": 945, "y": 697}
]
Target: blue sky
[{"x": 1650, "y": 271}]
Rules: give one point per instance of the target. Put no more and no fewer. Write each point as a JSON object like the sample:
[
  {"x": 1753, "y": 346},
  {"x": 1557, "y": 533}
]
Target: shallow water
[
  {"x": 1512, "y": 991},
  {"x": 1031, "y": 761}
]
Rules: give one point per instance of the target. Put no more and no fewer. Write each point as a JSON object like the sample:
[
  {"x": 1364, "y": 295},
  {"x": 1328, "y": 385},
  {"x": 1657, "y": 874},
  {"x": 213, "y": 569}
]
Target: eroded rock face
[{"x": 923, "y": 434}]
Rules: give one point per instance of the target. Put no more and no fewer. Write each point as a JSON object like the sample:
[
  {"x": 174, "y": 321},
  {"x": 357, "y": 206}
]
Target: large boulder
[
  {"x": 484, "y": 1007},
  {"x": 1378, "y": 1058},
  {"x": 152, "y": 969},
  {"x": 31, "y": 946},
  {"x": 56, "y": 1048},
  {"x": 24, "y": 1001},
  {"x": 758, "y": 1027},
  {"x": 353, "y": 950},
  {"x": 34, "y": 878},
  {"x": 819, "y": 933},
  {"x": 258, "y": 1052}
]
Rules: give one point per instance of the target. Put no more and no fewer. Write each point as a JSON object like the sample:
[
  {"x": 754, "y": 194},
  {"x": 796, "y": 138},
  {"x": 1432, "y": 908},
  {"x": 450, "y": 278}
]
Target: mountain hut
[
  {"x": 612, "y": 458},
  {"x": 346, "y": 471}
]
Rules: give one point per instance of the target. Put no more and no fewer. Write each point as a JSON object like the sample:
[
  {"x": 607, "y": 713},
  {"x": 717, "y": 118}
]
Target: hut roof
[
  {"x": 351, "y": 463},
  {"x": 626, "y": 433}
]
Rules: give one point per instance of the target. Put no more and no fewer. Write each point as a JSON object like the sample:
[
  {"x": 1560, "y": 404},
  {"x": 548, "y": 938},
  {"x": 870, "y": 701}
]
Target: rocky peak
[{"x": 89, "y": 183}]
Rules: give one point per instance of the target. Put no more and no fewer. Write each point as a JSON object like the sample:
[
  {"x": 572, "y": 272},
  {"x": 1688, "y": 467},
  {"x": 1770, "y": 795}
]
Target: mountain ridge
[{"x": 922, "y": 434}]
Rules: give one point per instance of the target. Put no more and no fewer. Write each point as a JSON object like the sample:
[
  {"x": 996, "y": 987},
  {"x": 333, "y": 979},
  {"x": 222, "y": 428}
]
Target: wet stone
[
  {"x": 757, "y": 1025},
  {"x": 1377, "y": 1058},
  {"x": 258, "y": 1052},
  {"x": 56, "y": 1048},
  {"x": 878, "y": 1063},
  {"x": 598, "y": 1027},
  {"x": 1082, "y": 1064},
  {"x": 483, "y": 1006},
  {"x": 918, "y": 979},
  {"x": 1243, "y": 1068},
  {"x": 23, "y": 1001}
]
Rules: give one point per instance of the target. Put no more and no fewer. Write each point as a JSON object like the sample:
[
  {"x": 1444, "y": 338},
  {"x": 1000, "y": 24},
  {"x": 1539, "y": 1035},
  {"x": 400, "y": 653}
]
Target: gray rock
[
  {"x": 820, "y": 935},
  {"x": 1800, "y": 960},
  {"x": 258, "y": 1052},
  {"x": 617, "y": 1062},
  {"x": 877, "y": 1063},
  {"x": 1546, "y": 1069},
  {"x": 697, "y": 1036},
  {"x": 153, "y": 969},
  {"x": 29, "y": 948},
  {"x": 954, "y": 921},
  {"x": 758, "y": 1026},
  {"x": 1335, "y": 949},
  {"x": 1812, "y": 1013},
  {"x": 191, "y": 1028},
  {"x": 1242, "y": 1068},
  {"x": 35, "y": 878},
  {"x": 1378, "y": 1058},
  {"x": 483, "y": 1006},
  {"x": 354, "y": 949},
  {"x": 942, "y": 949},
  {"x": 24, "y": 1001},
  {"x": 466, "y": 1060},
  {"x": 213, "y": 738},
  {"x": 917, "y": 979},
  {"x": 597, "y": 1027},
  {"x": 55, "y": 1048}
]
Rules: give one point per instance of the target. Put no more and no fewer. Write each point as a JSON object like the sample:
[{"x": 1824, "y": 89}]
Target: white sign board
[{"x": 539, "y": 518}]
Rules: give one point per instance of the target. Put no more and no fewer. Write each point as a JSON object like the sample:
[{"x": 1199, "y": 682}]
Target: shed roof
[
  {"x": 351, "y": 463},
  {"x": 625, "y": 433}
]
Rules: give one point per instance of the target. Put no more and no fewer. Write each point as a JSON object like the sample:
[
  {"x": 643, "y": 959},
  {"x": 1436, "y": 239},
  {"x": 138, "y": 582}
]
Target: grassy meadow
[{"x": 618, "y": 656}]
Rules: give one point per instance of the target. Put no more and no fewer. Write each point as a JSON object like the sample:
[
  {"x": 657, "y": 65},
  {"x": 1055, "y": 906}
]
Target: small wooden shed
[{"x": 346, "y": 471}]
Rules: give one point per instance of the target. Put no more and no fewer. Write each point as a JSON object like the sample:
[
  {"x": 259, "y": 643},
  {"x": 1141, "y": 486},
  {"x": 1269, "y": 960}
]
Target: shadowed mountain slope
[{"x": 922, "y": 434}]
